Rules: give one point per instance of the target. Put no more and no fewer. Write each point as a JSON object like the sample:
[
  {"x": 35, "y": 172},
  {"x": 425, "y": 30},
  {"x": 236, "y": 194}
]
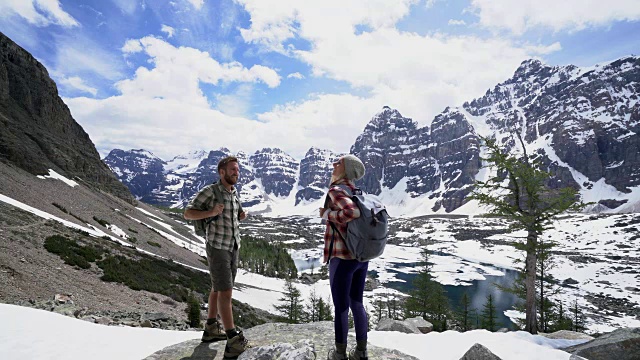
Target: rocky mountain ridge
[{"x": 583, "y": 123}]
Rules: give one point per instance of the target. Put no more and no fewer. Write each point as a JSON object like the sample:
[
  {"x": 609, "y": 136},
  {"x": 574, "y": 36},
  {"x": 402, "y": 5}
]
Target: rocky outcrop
[
  {"x": 38, "y": 132},
  {"x": 479, "y": 352},
  {"x": 621, "y": 344},
  {"x": 275, "y": 341}
]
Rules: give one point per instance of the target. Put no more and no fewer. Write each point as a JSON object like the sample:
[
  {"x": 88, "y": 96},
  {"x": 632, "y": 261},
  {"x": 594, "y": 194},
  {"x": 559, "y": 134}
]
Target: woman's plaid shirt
[{"x": 343, "y": 210}]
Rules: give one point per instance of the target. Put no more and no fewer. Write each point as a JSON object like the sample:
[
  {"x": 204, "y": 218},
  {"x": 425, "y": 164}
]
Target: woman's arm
[{"x": 347, "y": 209}]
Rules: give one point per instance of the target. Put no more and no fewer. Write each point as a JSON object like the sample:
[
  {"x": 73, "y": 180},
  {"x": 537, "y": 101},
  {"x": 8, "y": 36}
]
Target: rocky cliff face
[
  {"x": 583, "y": 122},
  {"x": 277, "y": 170},
  {"x": 315, "y": 174},
  {"x": 38, "y": 132}
]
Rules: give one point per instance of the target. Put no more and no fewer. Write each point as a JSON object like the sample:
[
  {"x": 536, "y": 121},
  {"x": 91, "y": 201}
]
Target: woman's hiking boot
[
  {"x": 335, "y": 355},
  {"x": 356, "y": 354},
  {"x": 213, "y": 332},
  {"x": 235, "y": 346}
]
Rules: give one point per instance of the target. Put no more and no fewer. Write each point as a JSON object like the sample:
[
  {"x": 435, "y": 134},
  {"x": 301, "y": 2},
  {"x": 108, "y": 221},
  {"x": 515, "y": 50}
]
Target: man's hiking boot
[
  {"x": 213, "y": 332},
  {"x": 356, "y": 354},
  {"x": 334, "y": 355},
  {"x": 235, "y": 346}
]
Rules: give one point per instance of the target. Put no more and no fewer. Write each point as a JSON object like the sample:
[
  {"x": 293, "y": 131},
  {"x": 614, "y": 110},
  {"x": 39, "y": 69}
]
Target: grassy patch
[
  {"x": 71, "y": 252},
  {"x": 133, "y": 239},
  {"x": 133, "y": 231},
  {"x": 153, "y": 243}
]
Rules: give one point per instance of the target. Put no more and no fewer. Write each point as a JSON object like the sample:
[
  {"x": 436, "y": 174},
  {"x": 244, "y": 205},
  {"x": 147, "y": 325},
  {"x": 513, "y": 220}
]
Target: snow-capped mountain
[{"x": 583, "y": 122}]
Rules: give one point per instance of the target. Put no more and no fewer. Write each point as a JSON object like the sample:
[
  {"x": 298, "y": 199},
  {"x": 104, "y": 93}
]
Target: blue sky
[{"x": 175, "y": 76}]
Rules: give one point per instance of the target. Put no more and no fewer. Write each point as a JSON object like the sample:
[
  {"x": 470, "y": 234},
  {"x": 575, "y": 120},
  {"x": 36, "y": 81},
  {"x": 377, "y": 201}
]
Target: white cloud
[
  {"x": 419, "y": 74},
  {"x": 178, "y": 72},
  {"x": 197, "y": 4},
  {"x": 82, "y": 56},
  {"x": 273, "y": 23},
  {"x": 38, "y": 12},
  {"x": 167, "y": 30},
  {"x": 77, "y": 83},
  {"x": 295, "y": 75},
  {"x": 457, "y": 22},
  {"x": 131, "y": 46},
  {"x": 237, "y": 103},
  {"x": 126, "y": 6},
  {"x": 572, "y": 15}
]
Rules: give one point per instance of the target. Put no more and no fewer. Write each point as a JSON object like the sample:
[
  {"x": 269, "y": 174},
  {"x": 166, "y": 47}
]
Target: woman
[{"x": 346, "y": 275}]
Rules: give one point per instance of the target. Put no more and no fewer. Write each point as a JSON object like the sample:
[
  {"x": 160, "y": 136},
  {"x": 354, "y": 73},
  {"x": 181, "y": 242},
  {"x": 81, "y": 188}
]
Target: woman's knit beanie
[{"x": 353, "y": 167}]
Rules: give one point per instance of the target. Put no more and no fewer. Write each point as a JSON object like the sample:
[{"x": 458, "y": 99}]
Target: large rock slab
[
  {"x": 567, "y": 335},
  {"x": 621, "y": 344},
  {"x": 274, "y": 341},
  {"x": 386, "y": 324}
]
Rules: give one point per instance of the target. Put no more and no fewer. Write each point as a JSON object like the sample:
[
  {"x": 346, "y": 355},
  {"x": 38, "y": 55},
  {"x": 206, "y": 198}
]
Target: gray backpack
[{"x": 366, "y": 235}]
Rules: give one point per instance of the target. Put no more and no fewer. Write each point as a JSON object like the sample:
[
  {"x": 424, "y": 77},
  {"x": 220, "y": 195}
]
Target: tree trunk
[
  {"x": 531, "y": 321},
  {"x": 542, "y": 314}
]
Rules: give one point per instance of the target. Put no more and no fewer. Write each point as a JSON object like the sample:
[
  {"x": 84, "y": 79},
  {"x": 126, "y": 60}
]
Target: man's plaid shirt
[
  {"x": 224, "y": 232},
  {"x": 342, "y": 210}
]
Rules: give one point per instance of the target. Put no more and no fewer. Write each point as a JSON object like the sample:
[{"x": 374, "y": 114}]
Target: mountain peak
[{"x": 389, "y": 119}]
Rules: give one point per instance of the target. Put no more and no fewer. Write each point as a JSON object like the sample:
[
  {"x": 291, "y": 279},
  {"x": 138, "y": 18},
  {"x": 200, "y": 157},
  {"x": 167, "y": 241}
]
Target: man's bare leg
[
  {"x": 225, "y": 309},
  {"x": 213, "y": 305}
]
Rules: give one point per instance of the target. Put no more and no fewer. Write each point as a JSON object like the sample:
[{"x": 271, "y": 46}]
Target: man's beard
[{"x": 230, "y": 180}]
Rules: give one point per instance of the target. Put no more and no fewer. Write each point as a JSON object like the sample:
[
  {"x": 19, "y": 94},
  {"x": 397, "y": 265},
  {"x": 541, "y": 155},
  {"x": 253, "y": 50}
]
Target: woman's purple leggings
[{"x": 347, "y": 278}]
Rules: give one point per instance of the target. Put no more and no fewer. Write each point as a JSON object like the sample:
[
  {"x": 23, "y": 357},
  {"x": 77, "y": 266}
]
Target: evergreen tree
[
  {"x": 290, "y": 304},
  {"x": 325, "y": 310},
  {"x": 464, "y": 314},
  {"x": 378, "y": 309},
  {"x": 578, "y": 317},
  {"x": 193, "y": 310},
  {"x": 489, "y": 316},
  {"x": 428, "y": 298},
  {"x": 313, "y": 308},
  {"x": 529, "y": 202}
]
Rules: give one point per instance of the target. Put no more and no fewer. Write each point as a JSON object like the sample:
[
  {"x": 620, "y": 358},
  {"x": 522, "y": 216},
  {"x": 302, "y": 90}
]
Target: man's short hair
[{"x": 223, "y": 163}]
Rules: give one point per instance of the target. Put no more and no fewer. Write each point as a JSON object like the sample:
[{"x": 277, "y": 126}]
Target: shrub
[
  {"x": 100, "y": 221},
  {"x": 133, "y": 239},
  {"x": 193, "y": 310},
  {"x": 153, "y": 243},
  {"x": 133, "y": 231},
  {"x": 154, "y": 275},
  {"x": 71, "y": 252}
]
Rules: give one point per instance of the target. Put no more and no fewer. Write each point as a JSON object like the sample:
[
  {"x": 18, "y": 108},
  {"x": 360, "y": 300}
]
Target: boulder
[
  {"x": 146, "y": 323},
  {"x": 479, "y": 352},
  {"x": 154, "y": 316},
  {"x": 621, "y": 344},
  {"x": 63, "y": 299},
  {"x": 423, "y": 325},
  {"x": 387, "y": 324}
]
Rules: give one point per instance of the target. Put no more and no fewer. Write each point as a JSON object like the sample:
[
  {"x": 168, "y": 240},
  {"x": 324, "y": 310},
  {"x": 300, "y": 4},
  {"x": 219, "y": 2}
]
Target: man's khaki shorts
[{"x": 223, "y": 266}]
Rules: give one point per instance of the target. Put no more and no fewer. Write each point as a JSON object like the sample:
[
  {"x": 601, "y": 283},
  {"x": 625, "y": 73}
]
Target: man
[{"x": 220, "y": 202}]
